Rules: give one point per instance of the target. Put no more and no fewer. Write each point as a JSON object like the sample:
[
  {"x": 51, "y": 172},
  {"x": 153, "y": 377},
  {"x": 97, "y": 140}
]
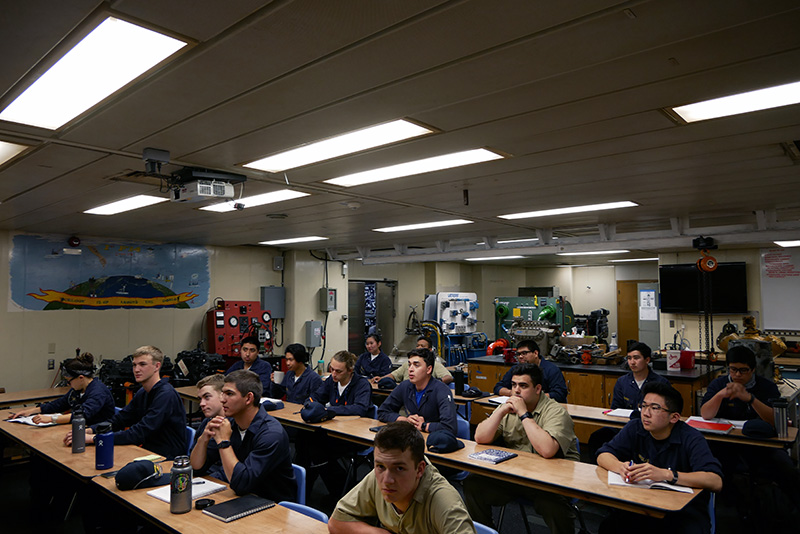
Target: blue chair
[
  {"x": 359, "y": 457},
  {"x": 305, "y": 510},
  {"x": 462, "y": 432},
  {"x": 300, "y": 477},
  {"x": 712, "y": 512},
  {"x": 483, "y": 529},
  {"x": 190, "y": 432},
  {"x": 117, "y": 409}
]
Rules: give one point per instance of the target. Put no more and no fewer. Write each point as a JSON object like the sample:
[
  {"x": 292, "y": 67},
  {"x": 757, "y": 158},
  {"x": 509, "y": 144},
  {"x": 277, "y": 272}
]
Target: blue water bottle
[{"x": 104, "y": 447}]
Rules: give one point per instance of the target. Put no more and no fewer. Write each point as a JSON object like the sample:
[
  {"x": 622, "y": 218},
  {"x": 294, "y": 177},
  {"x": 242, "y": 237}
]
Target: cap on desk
[
  {"x": 443, "y": 441},
  {"x": 315, "y": 412},
  {"x": 141, "y": 474}
]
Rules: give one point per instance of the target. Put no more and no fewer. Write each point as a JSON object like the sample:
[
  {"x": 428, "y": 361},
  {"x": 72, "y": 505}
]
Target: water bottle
[
  {"x": 104, "y": 447},
  {"x": 780, "y": 408},
  {"x": 613, "y": 345},
  {"x": 180, "y": 495},
  {"x": 78, "y": 431},
  {"x": 321, "y": 367},
  {"x": 458, "y": 375}
]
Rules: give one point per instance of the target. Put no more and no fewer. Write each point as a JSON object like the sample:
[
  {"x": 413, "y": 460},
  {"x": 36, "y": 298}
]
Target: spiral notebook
[
  {"x": 200, "y": 488},
  {"x": 237, "y": 508}
]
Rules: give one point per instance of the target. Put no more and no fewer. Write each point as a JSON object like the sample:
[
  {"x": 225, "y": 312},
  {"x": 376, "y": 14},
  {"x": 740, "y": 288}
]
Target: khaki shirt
[
  {"x": 401, "y": 373},
  {"x": 436, "y": 507},
  {"x": 552, "y": 417}
]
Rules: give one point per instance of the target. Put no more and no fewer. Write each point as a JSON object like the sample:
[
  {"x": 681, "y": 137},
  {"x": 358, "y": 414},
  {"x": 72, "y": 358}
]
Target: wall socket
[
  {"x": 672, "y": 323},
  {"x": 51, "y": 364}
]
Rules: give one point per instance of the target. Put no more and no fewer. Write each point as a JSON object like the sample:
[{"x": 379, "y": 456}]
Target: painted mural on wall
[{"x": 48, "y": 274}]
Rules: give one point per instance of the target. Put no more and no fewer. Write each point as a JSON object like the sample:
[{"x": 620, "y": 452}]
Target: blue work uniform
[
  {"x": 356, "y": 399},
  {"x": 627, "y": 393},
  {"x": 380, "y": 366},
  {"x": 209, "y": 469},
  {"x": 96, "y": 402},
  {"x": 763, "y": 389},
  {"x": 435, "y": 405},
  {"x": 297, "y": 389},
  {"x": 154, "y": 419},
  {"x": 552, "y": 381},
  {"x": 265, "y": 461},
  {"x": 260, "y": 367}
]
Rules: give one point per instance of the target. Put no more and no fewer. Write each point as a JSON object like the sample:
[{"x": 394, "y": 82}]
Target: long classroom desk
[
  {"x": 564, "y": 477},
  {"x": 33, "y": 395}
]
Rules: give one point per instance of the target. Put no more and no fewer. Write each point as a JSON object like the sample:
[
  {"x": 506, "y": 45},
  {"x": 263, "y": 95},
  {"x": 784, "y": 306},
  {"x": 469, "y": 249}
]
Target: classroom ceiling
[{"x": 572, "y": 92}]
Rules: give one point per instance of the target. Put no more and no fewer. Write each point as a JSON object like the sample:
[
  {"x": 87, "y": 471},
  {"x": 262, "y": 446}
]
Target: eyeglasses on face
[
  {"x": 739, "y": 370},
  {"x": 524, "y": 352},
  {"x": 655, "y": 408}
]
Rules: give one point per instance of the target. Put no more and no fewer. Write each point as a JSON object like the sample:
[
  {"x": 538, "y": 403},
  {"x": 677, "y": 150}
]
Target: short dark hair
[
  {"x": 741, "y": 354},
  {"x": 252, "y": 340},
  {"x": 401, "y": 436},
  {"x": 426, "y": 354},
  {"x": 529, "y": 344},
  {"x": 299, "y": 352},
  {"x": 641, "y": 347},
  {"x": 530, "y": 369},
  {"x": 83, "y": 365},
  {"x": 426, "y": 340},
  {"x": 376, "y": 337},
  {"x": 672, "y": 397},
  {"x": 246, "y": 382}
]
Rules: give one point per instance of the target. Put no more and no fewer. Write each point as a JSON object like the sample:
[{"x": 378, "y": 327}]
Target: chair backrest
[
  {"x": 117, "y": 409},
  {"x": 300, "y": 477},
  {"x": 462, "y": 430},
  {"x": 373, "y": 412},
  {"x": 483, "y": 529},
  {"x": 305, "y": 510},
  {"x": 712, "y": 512},
  {"x": 190, "y": 432}
]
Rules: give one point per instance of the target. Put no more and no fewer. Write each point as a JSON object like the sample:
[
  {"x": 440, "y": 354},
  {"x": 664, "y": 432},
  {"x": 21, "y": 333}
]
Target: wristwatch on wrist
[
  {"x": 223, "y": 444},
  {"x": 752, "y": 398},
  {"x": 526, "y": 415},
  {"x": 674, "y": 476}
]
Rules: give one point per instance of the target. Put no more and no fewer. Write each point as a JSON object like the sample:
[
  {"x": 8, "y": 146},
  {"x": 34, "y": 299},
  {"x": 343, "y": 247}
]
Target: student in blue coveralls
[
  {"x": 91, "y": 395},
  {"x": 553, "y": 383},
  {"x": 662, "y": 448},
  {"x": 374, "y": 362},
  {"x": 300, "y": 381},
  {"x": 155, "y": 417},
  {"x": 345, "y": 393},
  {"x": 250, "y": 361},
  {"x": 209, "y": 393},
  {"x": 251, "y": 444},
  {"x": 743, "y": 395},
  {"x": 427, "y": 401}
]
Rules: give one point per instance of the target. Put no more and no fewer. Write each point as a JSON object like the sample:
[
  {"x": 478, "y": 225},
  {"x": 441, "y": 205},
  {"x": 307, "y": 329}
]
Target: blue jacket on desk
[
  {"x": 260, "y": 367},
  {"x": 157, "y": 421},
  {"x": 552, "y": 381},
  {"x": 436, "y": 405},
  {"x": 356, "y": 399},
  {"x": 96, "y": 402},
  {"x": 380, "y": 366},
  {"x": 299, "y": 389}
]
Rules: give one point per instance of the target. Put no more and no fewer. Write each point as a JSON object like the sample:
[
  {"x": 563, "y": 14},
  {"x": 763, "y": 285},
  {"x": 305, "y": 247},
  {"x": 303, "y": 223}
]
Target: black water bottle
[
  {"x": 458, "y": 375},
  {"x": 78, "y": 431}
]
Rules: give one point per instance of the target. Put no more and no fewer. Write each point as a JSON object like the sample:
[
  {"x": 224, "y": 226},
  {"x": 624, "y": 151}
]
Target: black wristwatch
[
  {"x": 752, "y": 399},
  {"x": 526, "y": 415},
  {"x": 674, "y": 476},
  {"x": 223, "y": 444}
]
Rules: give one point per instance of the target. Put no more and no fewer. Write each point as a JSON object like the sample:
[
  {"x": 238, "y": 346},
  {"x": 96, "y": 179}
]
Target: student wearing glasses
[
  {"x": 661, "y": 447},
  {"x": 553, "y": 383}
]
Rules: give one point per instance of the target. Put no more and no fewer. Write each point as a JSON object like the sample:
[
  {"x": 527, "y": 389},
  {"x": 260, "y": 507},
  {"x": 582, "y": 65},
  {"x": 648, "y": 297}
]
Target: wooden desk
[
  {"x": 275, "y": 519},
  {"x": 34, "y": 395}
]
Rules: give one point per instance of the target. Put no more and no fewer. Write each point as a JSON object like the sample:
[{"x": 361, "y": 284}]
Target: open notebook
[
  {"x": 615, "y": 479},
  {"x": 200, "y": 488}
]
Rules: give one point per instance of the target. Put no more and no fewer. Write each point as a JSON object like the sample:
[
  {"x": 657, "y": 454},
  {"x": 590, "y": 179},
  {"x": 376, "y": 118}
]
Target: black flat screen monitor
[{"x": 680, "y": 285}]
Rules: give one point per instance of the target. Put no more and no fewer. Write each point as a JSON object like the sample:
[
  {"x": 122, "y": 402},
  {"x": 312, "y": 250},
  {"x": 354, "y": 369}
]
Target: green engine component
[
  {"x": 547, "y": 313},
  {"x": 552, "y": 309}
]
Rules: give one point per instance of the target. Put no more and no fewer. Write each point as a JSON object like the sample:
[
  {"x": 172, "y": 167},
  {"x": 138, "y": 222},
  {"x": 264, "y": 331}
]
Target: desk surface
[
  {"x": 275, "y": 519},
  {"x": 22, "y": 397},
  {"x": 565, "y": 477}
]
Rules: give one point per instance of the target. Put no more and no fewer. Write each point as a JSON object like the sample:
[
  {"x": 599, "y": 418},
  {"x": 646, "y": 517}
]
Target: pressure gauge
[
  {"x": 233, "y": 321},
  {"x": 267, "y": 335},
  {"x": 266, "y": 317}
]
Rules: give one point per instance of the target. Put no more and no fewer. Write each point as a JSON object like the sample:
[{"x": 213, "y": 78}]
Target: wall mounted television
[{"x": 679, "y": 287}]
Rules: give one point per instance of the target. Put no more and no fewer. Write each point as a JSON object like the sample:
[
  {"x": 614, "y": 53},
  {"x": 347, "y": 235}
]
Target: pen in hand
[{"x": 627, "y": 478}]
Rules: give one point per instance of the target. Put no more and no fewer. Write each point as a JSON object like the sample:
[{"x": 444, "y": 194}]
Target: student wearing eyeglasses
[
  {"x": 661, "y": 447},
  {"x": 553, "y": 383}
]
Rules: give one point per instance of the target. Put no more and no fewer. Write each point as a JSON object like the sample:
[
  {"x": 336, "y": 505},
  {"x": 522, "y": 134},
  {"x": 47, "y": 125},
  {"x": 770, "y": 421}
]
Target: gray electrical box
[
  {"x": 313, "y": 334},
  {"x": 327, "y": 299},
  {"x": 273, "y": 299}
]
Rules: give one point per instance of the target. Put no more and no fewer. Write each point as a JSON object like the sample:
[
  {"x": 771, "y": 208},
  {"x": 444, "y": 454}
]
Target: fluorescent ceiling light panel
[
  {"x": 632, "y": 259},
  {"x": 788, "y": 243},
  {"x": 771, "y": 97},
  {"x": 348, "y": 143},
  {"x": 592, "y": 253},
  {"x": 294, "y": 240},
  {"x": 256, "y": 200},
  {"x": 573, "y": 209},
  {"x": 126, "y": 204},
  {"x": 436, "y": 163},
  {"x": 111, "y": 56},
  {"x": 422, "y": 226},
  {"x": 495, "y": 258},
  {"x": 9, "y": 150},
  {"x": 506, "y": 241}
]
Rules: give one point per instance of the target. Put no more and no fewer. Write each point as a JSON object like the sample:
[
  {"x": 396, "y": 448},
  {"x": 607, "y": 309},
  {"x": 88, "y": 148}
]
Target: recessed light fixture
[
  {"x": 347, "y": 143},
  {"x": 111, "y": 56},
  {"x": 9, "y": 150},
  {"x": 632, "y": 259},
  {"x": 506, "y": 241},
  {"x": 592, "y": 253},
  {"x": 256, "y": 200},
  {"x": 410, "y": 168},
  {"x": 491, "y": 258},
  {"x": 788, "y": 244},
  {"x": 126, "y": 204},
  {"x": 573, "y": 209},
  {"x": 422, "y": 226},
  {"x": 294, "y": 240},
  {"x": 771, "y": 97}
]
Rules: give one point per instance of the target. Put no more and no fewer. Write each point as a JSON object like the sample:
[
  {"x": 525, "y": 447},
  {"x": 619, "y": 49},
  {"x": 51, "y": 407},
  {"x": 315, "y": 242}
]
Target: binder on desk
[
  {"x": 712, "y": 427},
  {"x": 237, "y": 508}
]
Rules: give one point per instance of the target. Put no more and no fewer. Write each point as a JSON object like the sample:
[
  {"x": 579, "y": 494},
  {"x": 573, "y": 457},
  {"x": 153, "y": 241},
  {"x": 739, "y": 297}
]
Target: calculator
[{"x": 493, "y": 456}]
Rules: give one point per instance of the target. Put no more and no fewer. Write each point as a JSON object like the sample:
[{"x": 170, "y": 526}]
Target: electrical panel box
[
  {"x": 313, "y": 334},
  {"x": 228, "y": 323},
  {"x": 273, "y": 298},
  {"x": 327, "y": 299},
  {"x": 456, "y": 313}
]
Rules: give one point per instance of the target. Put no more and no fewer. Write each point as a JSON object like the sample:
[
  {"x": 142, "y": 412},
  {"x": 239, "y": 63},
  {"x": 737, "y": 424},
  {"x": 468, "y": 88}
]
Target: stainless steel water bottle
[
  {"x": 78, "y": 431},
  {"x": 180, "y": 495}
]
